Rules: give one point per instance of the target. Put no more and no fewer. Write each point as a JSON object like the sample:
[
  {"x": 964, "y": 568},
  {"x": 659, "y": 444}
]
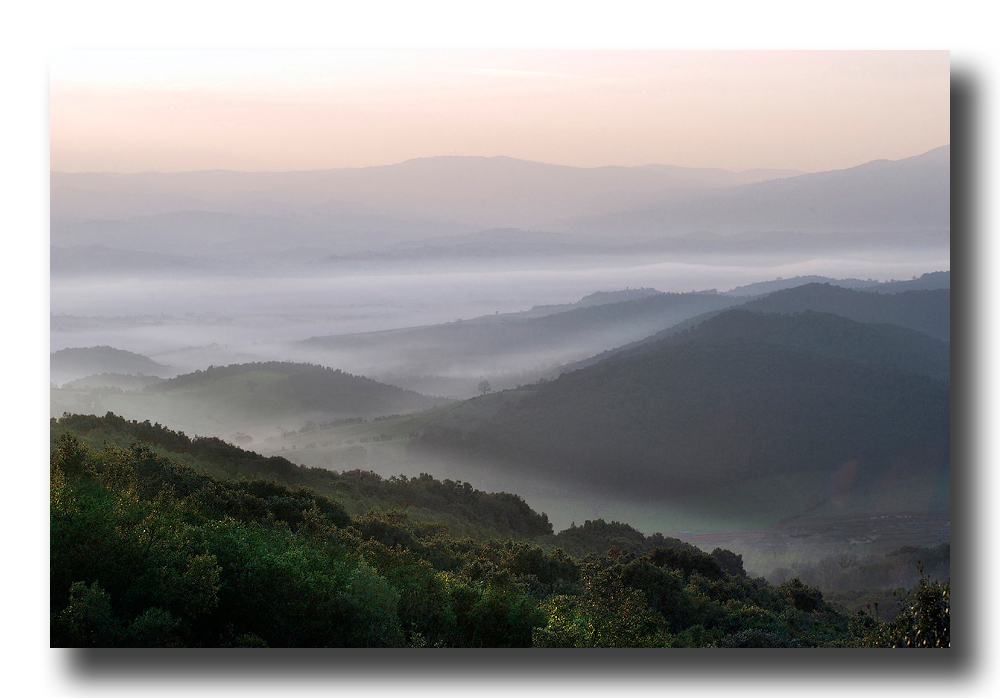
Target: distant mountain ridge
[
  {"x": 912, "y": 195},
  {"x": 440, "y": 201},
  {"x": 924, "y": 311},
  {"x": 929, "y": 281},
  {"x": 439, "y": 187}
]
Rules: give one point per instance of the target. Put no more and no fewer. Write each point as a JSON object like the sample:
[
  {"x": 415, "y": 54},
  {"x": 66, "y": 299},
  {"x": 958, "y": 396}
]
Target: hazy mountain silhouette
[
  {"x": 906, "y": 196},
  {"x": 440, "y": 201},
  {"x": 926, "y": 282},
  {"x": 68, "y": 364},
  {"x": 538, "y": 340},
  {"x": 484, "y": 192},
  {"x": 258, "y": 397}
]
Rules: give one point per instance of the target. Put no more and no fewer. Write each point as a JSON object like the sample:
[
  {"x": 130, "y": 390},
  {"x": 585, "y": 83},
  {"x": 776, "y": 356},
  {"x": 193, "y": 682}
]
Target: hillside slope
[
  {"x": 729, "y": 421},
  {"x": 507, "y": 344},
  {"x": 927, "y": 311},
  {"x": 147, "y": 551},
  {"x": 261, "y": 399},
  {"x": 823, "y": 334},
  {"x": 69, "y": 364}
]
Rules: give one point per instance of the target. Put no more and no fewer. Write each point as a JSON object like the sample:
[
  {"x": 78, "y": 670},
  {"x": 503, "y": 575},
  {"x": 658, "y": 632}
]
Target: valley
[{"x": 707, "y": 378}]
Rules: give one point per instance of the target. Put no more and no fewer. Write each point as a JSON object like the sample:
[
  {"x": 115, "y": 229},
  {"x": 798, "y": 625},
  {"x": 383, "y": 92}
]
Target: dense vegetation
[
  {"x": 466, "y": 511},
  {"x": 823, "y": 334},
  {"x": 695, "y": 418},
  {"x": 146, "y": 551}
]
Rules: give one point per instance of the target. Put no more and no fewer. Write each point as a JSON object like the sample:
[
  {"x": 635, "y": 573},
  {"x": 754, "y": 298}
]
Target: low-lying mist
[{"x": 191, "y": 321}]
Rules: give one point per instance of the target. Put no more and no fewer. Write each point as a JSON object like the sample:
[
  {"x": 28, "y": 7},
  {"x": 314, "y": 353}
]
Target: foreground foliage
[{"x": 148, "y": 552}]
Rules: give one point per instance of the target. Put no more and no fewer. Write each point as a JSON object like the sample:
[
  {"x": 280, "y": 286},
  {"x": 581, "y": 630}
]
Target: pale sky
[{"x": 130, "y": 111}]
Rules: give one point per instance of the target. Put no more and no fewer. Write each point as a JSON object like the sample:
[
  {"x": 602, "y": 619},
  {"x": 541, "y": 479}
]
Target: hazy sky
[{"x": 268, "y": 110}]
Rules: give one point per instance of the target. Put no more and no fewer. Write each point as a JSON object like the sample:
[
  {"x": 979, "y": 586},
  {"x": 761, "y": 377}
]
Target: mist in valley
[
  {"x": 445, "y": 293},
  {"x": 191, "y": 321},
  {"x": 500, "y": 348}
]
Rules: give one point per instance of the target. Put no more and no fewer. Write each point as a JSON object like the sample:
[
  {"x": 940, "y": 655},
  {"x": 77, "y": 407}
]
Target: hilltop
[
  {"x": 750, "y": 417},
  {"x": 258, "y": 399}
]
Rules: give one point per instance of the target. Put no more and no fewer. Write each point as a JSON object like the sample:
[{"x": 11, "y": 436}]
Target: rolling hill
[
  {"x": 823, "y": 334},
  {"x": 261, "y": 399},
  {"x": 468, "y": 350},
  {"x": 69, "y": 364},
  {"x": 756, "y": 419},
  {"x": 927, "y": 311}
]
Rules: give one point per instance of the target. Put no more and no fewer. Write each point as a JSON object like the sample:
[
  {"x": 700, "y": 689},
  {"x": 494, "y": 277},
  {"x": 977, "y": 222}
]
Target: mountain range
[
  {"x": 776, "y": 414},
  {"x": 433, "y": 206}
]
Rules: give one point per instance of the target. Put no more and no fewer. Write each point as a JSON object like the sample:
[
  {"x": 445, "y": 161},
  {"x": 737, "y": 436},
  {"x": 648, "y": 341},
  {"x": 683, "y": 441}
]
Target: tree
[{"x": 484, "y": 387}]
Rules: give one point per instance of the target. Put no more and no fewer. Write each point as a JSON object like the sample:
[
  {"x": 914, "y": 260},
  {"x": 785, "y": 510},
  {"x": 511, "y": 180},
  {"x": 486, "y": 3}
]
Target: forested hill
[
  {"x": 260, "y": 399},
  {"x": 823, "y": 334},
  {"x": 148, "y": 552},
  {"x": 740, "y": 423},
  {"x": 456, "y": 505},
  {"x": 924, "y": 311},
  {"x": 271, "y": 388}
]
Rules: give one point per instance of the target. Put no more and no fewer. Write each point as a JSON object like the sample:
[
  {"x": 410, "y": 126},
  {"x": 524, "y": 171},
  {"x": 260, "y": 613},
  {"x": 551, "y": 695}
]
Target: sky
[{"x": 133, "y": 111}]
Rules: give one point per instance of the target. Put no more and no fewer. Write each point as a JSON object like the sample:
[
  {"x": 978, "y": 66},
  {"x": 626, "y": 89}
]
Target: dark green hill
[
  {"x": 740, "y": 426},
  {"x": 823, "y": 334},
  {"x": 464, "y": 510},
  {"x": 818, "y": 327},
  {"x": 146, "y": 551}
]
